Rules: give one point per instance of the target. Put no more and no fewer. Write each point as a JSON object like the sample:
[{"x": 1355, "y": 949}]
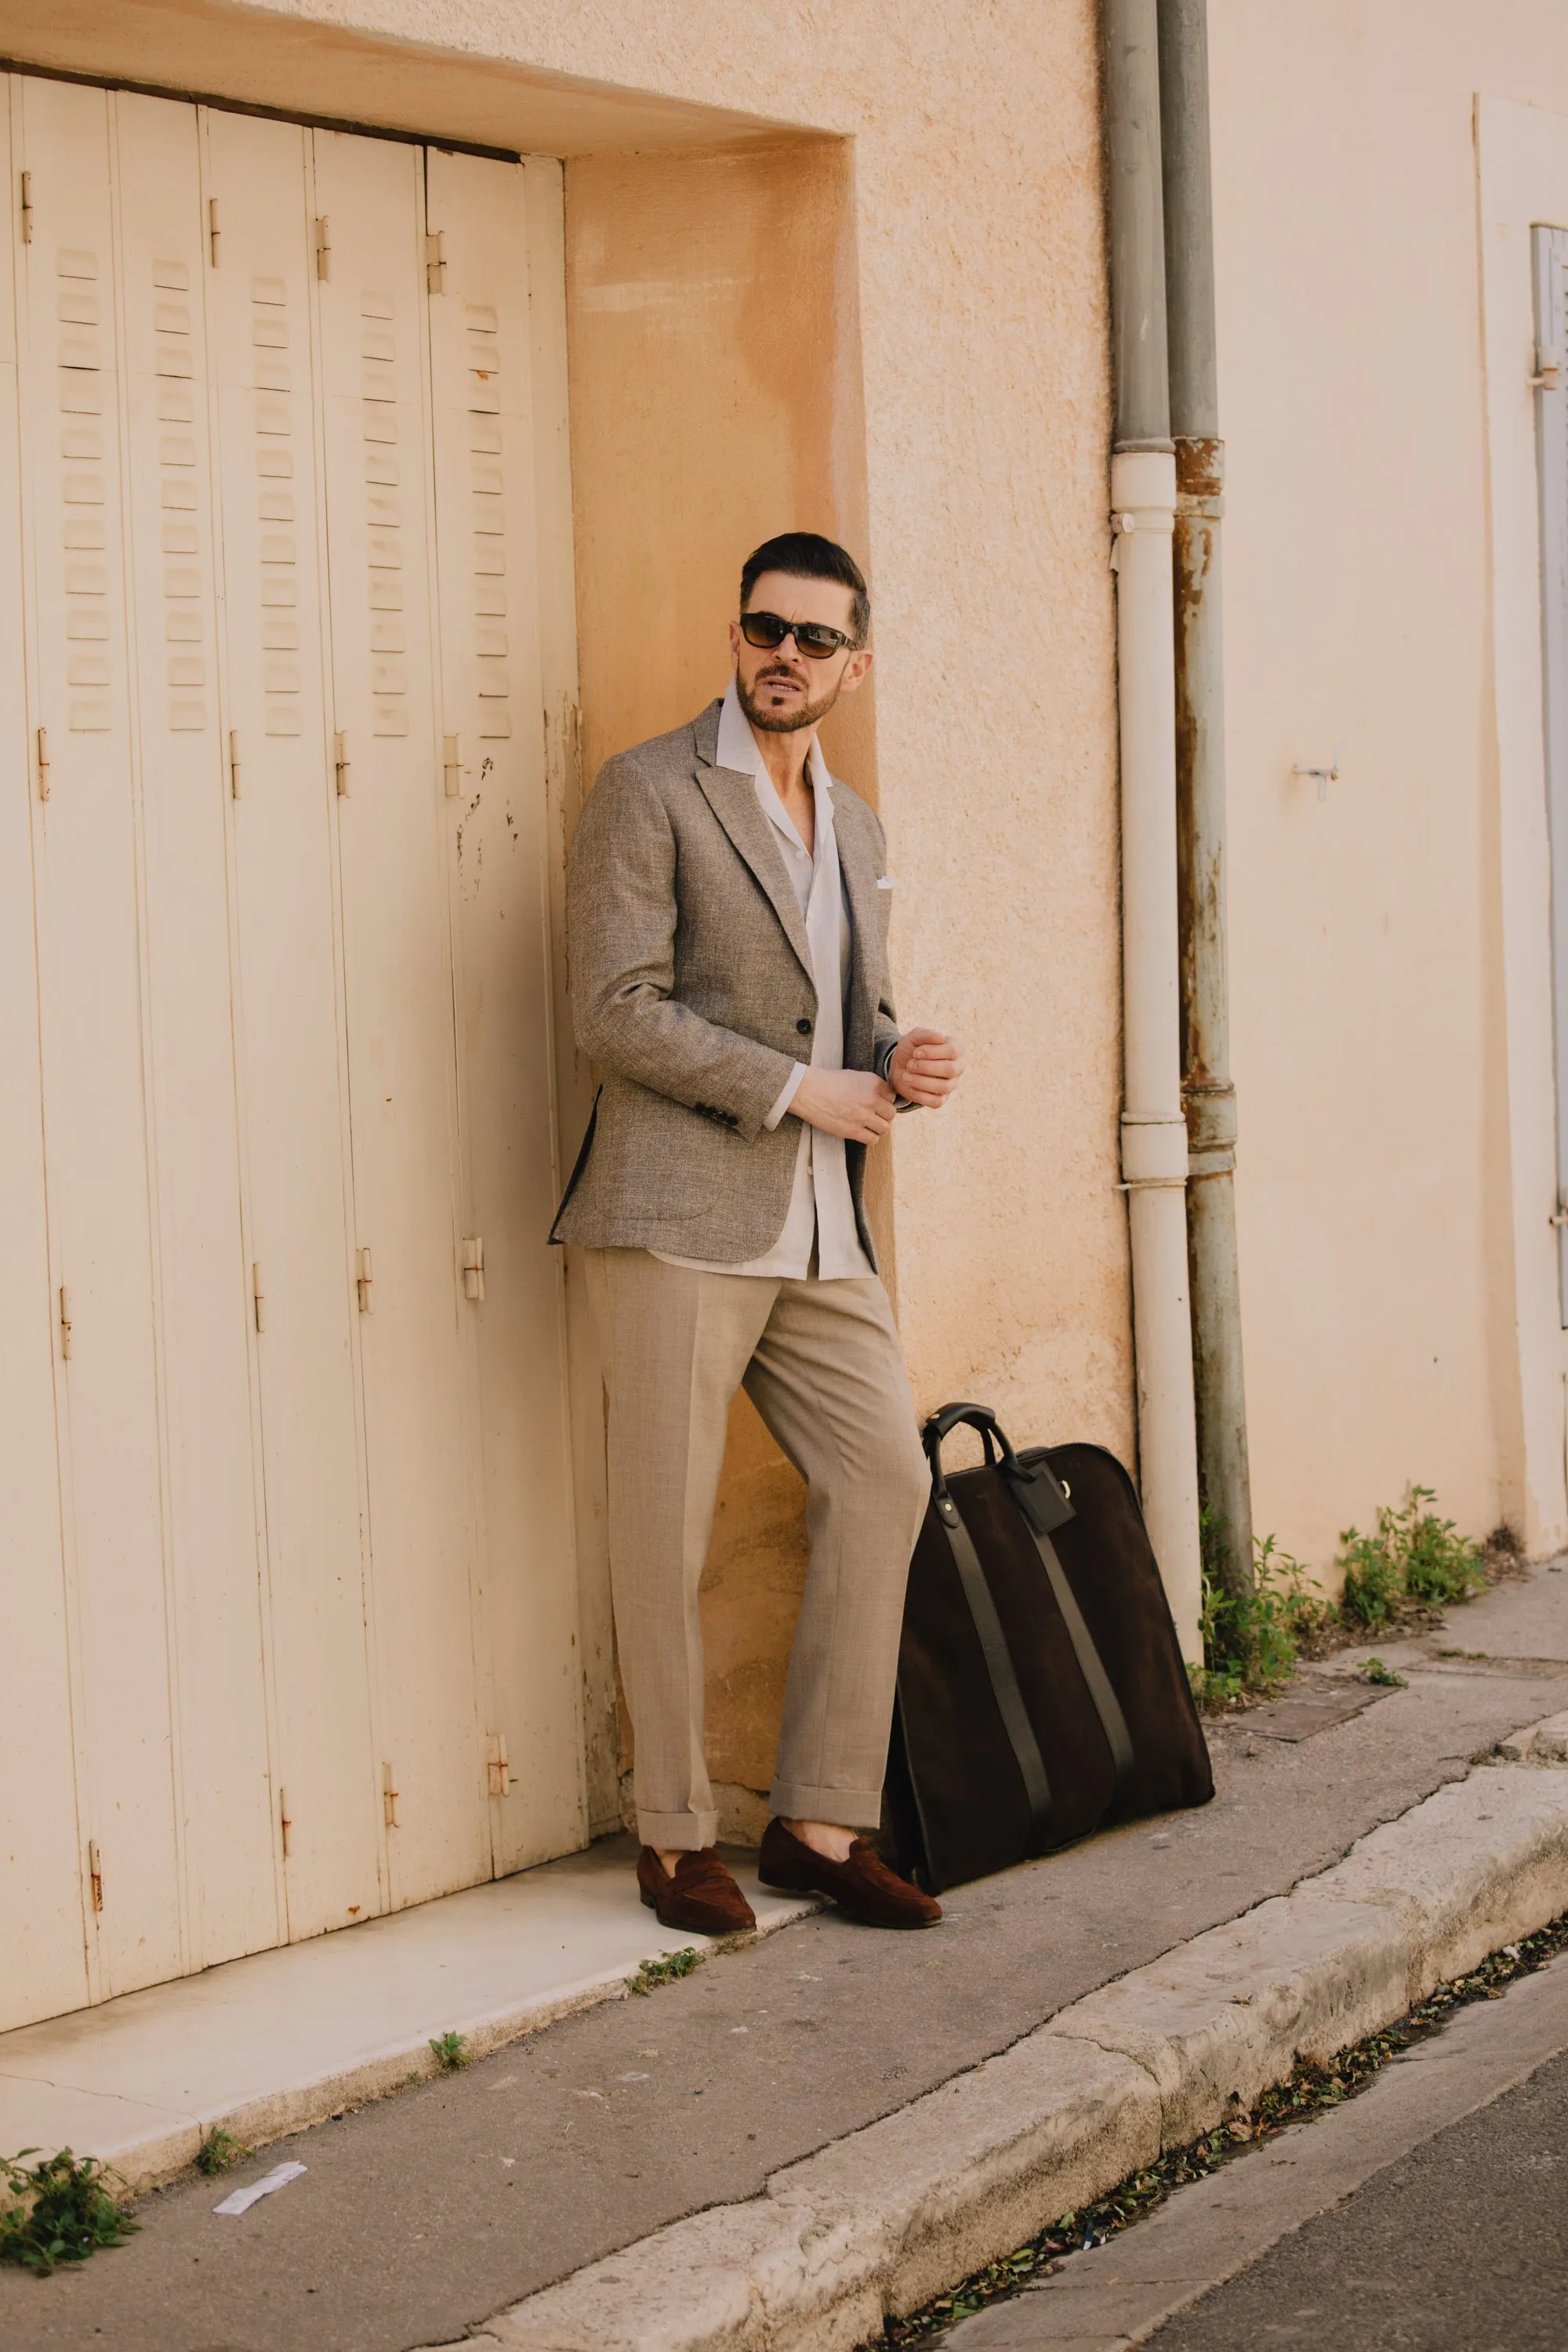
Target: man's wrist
[{"x": 785, "y": 1096}]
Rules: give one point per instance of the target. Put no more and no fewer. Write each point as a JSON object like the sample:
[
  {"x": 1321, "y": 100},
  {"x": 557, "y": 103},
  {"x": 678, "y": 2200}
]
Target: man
[{"x": 727, "y": 920}]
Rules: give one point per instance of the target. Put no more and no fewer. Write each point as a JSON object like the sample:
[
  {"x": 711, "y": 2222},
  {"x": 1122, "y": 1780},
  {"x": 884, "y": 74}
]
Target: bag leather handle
[
  {"x": 975, "y": 1416},
  {"x": 1034, "y": 1486}
]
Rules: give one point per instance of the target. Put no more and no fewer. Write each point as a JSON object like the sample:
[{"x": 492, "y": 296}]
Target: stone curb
[{"x": 884, "y": 2219}]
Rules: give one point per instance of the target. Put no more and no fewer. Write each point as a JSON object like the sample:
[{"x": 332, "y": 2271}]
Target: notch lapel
[{"x": 733, "y": 797}]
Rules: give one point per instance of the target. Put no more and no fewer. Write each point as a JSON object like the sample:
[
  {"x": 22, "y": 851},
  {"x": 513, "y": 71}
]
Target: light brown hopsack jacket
[{"x": 692, "y": 988}]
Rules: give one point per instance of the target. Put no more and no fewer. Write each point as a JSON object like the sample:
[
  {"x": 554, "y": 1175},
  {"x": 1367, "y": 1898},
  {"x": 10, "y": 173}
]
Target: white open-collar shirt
[{"x": 821, "y": 1205}]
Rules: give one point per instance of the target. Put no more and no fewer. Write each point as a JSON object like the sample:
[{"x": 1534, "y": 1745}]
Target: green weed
[
  {"x": 63, "y": 2211},
  {"x": 450, "y": 2050},
  {"x": 652, "y": 1973},
  {"x": 1253, "y": 1639},
  {"x": 1373, "y": 1670},
  {"x": 218, "y": 2151},
  {"x": 1414, "y": 1564}
]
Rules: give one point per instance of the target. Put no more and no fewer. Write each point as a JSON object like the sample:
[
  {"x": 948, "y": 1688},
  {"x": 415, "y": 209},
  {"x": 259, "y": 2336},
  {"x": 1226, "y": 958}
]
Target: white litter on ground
[{"x": 240, "y": 2200}]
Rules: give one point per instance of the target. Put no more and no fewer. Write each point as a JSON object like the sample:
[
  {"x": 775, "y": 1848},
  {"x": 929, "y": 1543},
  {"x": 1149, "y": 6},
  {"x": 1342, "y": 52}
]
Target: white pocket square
[{"x": 884, "y": 881}]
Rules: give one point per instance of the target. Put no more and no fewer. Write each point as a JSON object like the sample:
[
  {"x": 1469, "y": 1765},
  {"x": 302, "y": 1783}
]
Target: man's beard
[{"x": 784, "y": 722}]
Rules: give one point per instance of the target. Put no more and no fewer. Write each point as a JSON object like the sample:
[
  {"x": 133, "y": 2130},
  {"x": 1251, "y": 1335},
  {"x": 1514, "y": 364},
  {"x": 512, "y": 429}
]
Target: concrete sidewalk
[{"x": 422, "y": 2216}]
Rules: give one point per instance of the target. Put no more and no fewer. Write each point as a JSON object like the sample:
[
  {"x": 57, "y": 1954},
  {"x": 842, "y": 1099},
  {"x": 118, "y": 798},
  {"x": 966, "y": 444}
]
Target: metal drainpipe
[
  {"x": 1206, "y": 1088},
  {"x": 1144, "y": 502}
]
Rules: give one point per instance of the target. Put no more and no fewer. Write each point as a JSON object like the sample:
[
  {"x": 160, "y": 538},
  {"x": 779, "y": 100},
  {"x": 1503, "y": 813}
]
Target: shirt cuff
[
  {"x": 884, "y": 1064},
  {"x": 785, "y": 1097}
]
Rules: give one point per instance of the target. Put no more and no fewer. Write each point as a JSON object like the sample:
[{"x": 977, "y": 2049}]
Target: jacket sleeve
[{"x": 621, "y": 915}]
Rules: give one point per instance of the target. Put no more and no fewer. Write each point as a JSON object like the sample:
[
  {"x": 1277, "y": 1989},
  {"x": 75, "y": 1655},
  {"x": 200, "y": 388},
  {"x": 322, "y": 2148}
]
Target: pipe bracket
[{"x": 1154, "y": 1151}]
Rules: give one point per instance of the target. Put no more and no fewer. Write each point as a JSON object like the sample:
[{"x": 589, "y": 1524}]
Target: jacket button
[{"x": 803, "y": 1025}]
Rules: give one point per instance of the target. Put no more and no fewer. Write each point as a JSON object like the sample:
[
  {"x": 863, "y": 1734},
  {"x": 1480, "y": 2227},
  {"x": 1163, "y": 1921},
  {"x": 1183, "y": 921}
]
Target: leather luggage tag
[{"x": 1039, "y": 1496}]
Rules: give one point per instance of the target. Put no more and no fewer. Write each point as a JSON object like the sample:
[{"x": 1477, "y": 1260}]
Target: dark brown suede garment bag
[{"x": 1041, "y": 1691}]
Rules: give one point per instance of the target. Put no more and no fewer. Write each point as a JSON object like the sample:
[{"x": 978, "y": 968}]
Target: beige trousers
[{"x": 821, "y": 1362}]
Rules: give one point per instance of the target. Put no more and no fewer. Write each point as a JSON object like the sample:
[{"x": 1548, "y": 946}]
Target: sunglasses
[{"x": 767, "y": 632}]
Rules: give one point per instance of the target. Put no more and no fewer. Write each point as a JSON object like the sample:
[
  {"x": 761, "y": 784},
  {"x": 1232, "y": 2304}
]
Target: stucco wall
[
  {"x": 955, "y": 227},
  {"x": 1381, "y": 1325},
  {"x": 732, "y": 290}
]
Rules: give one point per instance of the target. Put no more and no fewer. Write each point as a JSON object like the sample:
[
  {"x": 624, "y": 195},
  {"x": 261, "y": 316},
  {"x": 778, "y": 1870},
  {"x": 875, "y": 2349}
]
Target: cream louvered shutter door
[
  {"x": 217, "y": 1626},
  {"x": 1551, "y": 258},
  {"x": 293, "y": 1600},
  {"x": 96, "y": 1011},
  {"x": 483, "y": 326},
  {"x": 419, "y": 1406},
  {"x": 301, "y": 1250},
  {"x": 41, "y": 1873}
]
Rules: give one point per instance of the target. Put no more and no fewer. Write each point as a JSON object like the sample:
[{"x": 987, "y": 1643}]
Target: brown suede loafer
[
  {"x": 863, "y": 1887},
  {"x": 700, "y": 1898}
]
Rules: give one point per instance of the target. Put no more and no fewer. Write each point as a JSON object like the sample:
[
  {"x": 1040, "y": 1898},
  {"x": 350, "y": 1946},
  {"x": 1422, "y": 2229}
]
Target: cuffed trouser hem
[
  {"x": 677, "y": 1832},
  {"x": 851, "y": 1808}
]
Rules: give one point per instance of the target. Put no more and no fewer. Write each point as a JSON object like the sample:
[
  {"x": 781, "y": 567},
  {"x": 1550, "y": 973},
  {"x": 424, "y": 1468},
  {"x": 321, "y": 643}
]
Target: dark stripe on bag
[{"x": 1000, "y": 1667}]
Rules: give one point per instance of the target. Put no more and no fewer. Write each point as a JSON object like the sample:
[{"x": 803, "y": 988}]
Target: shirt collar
[{"x": 737, "y": 747}]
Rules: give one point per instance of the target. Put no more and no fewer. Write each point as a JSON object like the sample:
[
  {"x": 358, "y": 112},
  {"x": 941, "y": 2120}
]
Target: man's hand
[
  {"x": 926, "y": 1066},
  {"x": 855, "y": 1104}
]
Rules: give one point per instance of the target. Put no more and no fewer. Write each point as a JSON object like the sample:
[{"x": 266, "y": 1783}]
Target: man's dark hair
[{"x": 806, "y": 555}]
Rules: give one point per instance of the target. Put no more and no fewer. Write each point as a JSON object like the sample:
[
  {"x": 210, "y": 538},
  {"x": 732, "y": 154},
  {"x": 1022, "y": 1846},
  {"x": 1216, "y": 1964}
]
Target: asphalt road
[{"x": 1461, "y": 2247}]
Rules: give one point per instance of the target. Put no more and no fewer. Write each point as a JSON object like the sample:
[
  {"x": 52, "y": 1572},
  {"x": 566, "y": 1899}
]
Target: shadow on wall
[{"x": 716, "y": 399}]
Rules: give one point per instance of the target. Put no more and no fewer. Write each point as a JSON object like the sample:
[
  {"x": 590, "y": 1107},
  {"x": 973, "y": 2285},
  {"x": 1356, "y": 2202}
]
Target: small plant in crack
[
  {"x": 218, "y": 2151},
  {"x": 450, "y": 2050},
  {"x": 651, "y": 1974}
]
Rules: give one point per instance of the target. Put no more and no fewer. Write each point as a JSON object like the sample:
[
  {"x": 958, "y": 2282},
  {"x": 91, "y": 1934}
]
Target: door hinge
[
  {"x": 27, "y": 208},
  {"x": 233, "y": 762},
  {"x": 1558, "y": 1217},
  {"x": 284, "y": 1822},
  {"x": 389, "y": 1799},
  {"x": 364, "y": 1279},
  {"x": 1548, "y": 376},
  {"x": 323, "y": 247},
  {"x": 215, "y": 235},
  {"x": 474, "y": 1267},
  {"x": 452, "y": 768},
  {"x": 95, "y": 1872},
  {"x": 258, "y": 1295},
  {"x": 436, "y": 262},
  {"x": 64, "y": 1322},
  {"x": 497, "y": 1766},
  {"x": 43, "y": 764},
  {"x": 341, "y": 764}
]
